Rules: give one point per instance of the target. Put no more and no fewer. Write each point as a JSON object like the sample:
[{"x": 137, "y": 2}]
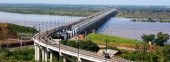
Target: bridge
[{"x": 45, "y": 45}]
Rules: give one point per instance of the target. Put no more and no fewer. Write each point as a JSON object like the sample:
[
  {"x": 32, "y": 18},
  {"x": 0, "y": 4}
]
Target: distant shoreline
[{"x": 162, "y": 20}]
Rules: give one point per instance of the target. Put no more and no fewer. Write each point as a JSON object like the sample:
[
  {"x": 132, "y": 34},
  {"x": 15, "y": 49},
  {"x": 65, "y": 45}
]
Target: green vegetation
[
  {"x": 143, "y": 51},
  {"x": 160, "y": 39},
  {"x": 139, "y": 56},
  {"x": 97, "y": 38},
  {"x": 86, "y": 45},
  {"x": 20, "y": 29},
  {"x": 158, "y": 12},
  {"x": 63, "y": 10},
  {"x": 161, "y": 54},
  {"x": 56, "y": 11},
  {"x": 150, "y": 53},
  {"x": 145, "y": 13},
  {"x": 147, "y": 38},
  {"x": 23, "y": 55},
  {"x": 166, "y": 55}
]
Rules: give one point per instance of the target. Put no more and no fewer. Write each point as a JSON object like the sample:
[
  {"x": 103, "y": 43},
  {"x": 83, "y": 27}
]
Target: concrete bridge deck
[{"x": 44, "y": 43}]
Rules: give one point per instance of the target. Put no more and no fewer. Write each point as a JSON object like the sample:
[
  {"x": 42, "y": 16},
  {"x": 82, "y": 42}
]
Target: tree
[
  {"x": 148, "y": 37},
  {"x": 161, "y": 39}
]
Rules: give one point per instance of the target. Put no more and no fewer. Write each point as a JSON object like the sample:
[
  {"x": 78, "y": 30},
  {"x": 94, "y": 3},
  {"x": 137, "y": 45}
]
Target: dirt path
[{"x": 125, "y": 48}]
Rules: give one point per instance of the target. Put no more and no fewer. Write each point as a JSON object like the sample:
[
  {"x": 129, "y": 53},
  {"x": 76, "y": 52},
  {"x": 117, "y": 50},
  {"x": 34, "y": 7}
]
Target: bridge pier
[
  {"x": 51, "y": 56},
  {"x": 46, "y": 55},
  {"x": 65, "y": 36},
  {"x": 73, "y": 32},
  {"x": 42, "y": 54},
  {"x": 62, "y": 57},
  {"x": 79, "y": 59},
  {"x": 37, "y": 52}
]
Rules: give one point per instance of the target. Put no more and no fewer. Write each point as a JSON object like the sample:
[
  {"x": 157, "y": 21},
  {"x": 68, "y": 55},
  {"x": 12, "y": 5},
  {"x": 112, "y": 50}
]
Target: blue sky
[{"x": 95, "y": 2}]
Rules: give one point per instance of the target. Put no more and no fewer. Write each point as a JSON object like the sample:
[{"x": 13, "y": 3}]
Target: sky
[{"x": 95, "y": 2}]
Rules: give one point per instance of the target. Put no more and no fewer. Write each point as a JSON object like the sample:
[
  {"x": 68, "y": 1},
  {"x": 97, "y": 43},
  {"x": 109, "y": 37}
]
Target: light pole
[
  {"x": 46, "y": 26},
  {"x": 59, "y": 41},
  {"x": 106, "y": 45},
  {"x": 77, "y": 40},
  {"x": 62, "y": 21},
  {"x": 33, "y": 33},
  {"x": 50, "y": 25},
  {"x": 39, "y": 31},
  {"x": 78, "y": 45},
  {"x": 58, "y": 23},
  {"x": 42, "y": 27},
  {"x": 39, "y": 27},
  {"x": 106, "y": 54},
  {"x": 55, "y": 23}
]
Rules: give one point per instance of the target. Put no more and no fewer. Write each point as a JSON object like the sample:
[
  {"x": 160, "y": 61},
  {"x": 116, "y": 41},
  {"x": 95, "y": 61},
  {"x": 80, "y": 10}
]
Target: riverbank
[
  {"x": 145, "y": 14},
  {"x": 136, "y": 13},
  {"x": 62, "y": 10},
  {"x": 150, "y": 20}
]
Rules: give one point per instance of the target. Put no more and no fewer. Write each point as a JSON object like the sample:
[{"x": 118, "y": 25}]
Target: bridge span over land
[{"x": 45, "y": 45}]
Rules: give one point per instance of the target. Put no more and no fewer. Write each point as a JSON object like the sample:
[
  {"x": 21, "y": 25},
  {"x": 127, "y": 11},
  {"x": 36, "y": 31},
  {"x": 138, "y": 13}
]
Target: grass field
[
  {"x": 113, "y": 41},
  {"x": 101, "y": 39}
]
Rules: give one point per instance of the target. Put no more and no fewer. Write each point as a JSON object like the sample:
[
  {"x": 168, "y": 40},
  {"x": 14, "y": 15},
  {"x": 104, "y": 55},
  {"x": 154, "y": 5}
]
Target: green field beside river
[{"x": 97, "y": 38}]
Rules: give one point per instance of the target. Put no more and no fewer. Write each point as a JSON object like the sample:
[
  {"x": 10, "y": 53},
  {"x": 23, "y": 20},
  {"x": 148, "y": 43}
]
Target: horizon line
[{"x": 84, "y": 4}]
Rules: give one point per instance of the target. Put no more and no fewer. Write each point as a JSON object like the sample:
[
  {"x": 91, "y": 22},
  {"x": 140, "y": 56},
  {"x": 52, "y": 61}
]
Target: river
[
  {"x": 34, "y": 19},
  {"x": 123, "y": 27}
]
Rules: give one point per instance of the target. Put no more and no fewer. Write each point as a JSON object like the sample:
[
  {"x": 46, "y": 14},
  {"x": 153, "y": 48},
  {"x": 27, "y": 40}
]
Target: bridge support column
[
  {"x": 51, "y": 56},
  {"x": 73, "y": 32},
  {"x": 46, "y": 55},
  {"x": 62, "y": 57},
  {"x": 79, "y": 60},
  {"x": 42, "y": 54},
  {"x": 65, "y": 36},
  {"x": 37, "y": 52},
  {"x": 85, "y": 33}
]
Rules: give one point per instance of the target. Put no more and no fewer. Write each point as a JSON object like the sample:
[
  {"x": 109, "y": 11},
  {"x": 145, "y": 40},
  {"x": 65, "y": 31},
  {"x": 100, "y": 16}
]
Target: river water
[
  {"x": 123, "y": 27},
  {"x": 36, "y": 20}
]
